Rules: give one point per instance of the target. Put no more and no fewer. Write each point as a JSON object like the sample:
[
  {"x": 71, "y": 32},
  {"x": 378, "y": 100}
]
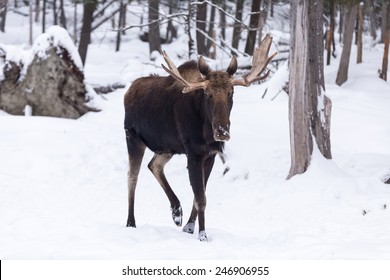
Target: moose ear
[
  {"x": 203, "y": 67},
  {"x": 232, "y": 66}
]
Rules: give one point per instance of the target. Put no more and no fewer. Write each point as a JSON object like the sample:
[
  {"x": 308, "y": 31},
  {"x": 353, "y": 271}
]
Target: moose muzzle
[{"x": 221, "y": 133}]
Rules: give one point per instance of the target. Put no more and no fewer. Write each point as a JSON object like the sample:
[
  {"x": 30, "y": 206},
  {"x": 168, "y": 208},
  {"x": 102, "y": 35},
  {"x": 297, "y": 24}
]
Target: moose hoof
[
  {"x": 130, "y": 224},
  {"x": 177, "y": 215},
  {"x": 202, "y": 236},
  {"x": 189, "y": 228}
]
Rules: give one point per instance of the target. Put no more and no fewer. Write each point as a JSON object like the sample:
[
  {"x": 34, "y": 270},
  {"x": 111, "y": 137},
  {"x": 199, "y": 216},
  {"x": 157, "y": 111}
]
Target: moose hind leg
[
  {"x": 156, "y": 165},
  {"x": 136, "y": 150}
]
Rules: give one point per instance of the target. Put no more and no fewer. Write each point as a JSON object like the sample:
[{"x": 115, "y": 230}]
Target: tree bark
[
  {"x": 62, "y": 15},
  {"x": 75, "y": 23},
  {"x": 237, "y": 25},
  {"x": 359, "y": 58},
  {"x": 253, "y": 24},
  {"x": 210, "y": 31},
  {"x": 3, "y": 14},
  {"x": 55, "y": 17},
  {"x": 44, "y": 16},
  {"x": 385, "y": 60},
  {"x": 154, "y": 28},
  {"x": 37, "y": 10},
  {"x": 85, "y": 36},
  {"x": 385, "y": 19},
  {"x": 330, "y": 33},
  {"x": 201, "y": 16},
  {"x": 30, "y": 10},
  {"x": 370, "y": 7},
  {"x": 309, "y": 107},
  {"x": 342, "y": 74},
  {"x": 222, "y": 17},
  {"x": 120, "y": 21},
  {"x": 192, "y": 52}
]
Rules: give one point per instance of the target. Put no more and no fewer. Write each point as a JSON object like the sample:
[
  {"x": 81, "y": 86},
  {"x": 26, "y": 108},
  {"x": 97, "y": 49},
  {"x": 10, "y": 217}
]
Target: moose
[{"x": 187, "y": 113}]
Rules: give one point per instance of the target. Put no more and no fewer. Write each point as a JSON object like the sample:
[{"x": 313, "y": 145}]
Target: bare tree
[
  {"x": 385, "y": 19},
  {"x": 385, "y": 60},
  {"x": 342, "y": 74},
  {"x": 44, "y": 16},
  {"x": 237, "y": 25},
  {"x": 330, "y": 31},
  {"x": 86, "y": 29},
  {"x": 253, "y": 24},
  {"x": 120, "y": 25},
  {"x": 309, "y": 108},
  {"x": 360, "y": 33},
  {"x": 201, "y": 17},
  {"x": 37, "y": 9},
  {"x": 55, "y": 16},
  {"x": 3, "y": 14},
  {"x": 370, "y": 8},
  {"x": 30, "y": 11},
  {"x": 62, "y": 15},
  {"x": 154, "y": 26}
]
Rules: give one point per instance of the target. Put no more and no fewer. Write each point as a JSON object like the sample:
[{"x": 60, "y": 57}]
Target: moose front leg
[
  {"x": 196, "y": 174},
  {"x": 199, "y": 171}
]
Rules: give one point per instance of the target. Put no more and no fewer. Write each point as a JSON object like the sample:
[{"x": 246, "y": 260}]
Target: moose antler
[
  {"x": 259, "y": 63},
  {"x": 172, "y": 70}
]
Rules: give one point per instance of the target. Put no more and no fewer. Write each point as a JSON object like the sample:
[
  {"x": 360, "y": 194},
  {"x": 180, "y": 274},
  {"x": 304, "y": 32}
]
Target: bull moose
[{"x": 187, "y": 113}]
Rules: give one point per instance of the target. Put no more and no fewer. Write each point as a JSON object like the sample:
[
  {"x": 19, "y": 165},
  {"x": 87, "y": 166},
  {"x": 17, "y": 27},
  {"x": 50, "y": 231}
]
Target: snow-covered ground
[{"x": 64, "y": 193}]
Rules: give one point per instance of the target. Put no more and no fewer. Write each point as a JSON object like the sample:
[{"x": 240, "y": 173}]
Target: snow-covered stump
[{"x": 49, "y": 79}]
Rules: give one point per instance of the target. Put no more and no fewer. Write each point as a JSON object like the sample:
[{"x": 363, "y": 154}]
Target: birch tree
[{"x": 309, "y": 107}]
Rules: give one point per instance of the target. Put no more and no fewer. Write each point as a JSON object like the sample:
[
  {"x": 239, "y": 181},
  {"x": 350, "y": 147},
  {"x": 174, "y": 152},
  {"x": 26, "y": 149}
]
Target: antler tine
[
  {"x": 259, "y": 63},
  {"x": 174, "y": 72}
]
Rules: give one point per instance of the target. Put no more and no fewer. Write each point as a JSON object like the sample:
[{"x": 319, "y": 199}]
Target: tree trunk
[
  {"x": 222, "y": 16},
  {"x": 201, "y": 16},
  {"x": 330, "y": 33},
  {"x": 37, "y": 10},
  {"x": 192, "y": 52},
  {"x": 370, "y": 7},
  {"x": 210, "y": 31},
  {"x": 75, "y": 23},
  {"x": 62, "y": 15},
  {"x": 30, "y": 10},
  {"x": 309, "y": 108},
  {"x": 385, "y": 19},
  {"x": 262, "y": 21},
  {"x": 342, "y": 74},
  {"x": 360, "y": 34},
  {"x": 154, "y": 28},
  {"x": 341, "y": 23},
  {"x": 119, "y": 33},
  {"x": 3, "y": 14},
  {"x": 253, "y": 24},
  {"x": 44, "y": 16},
  {"x": 385, "y": 61},
  {"x": 85, "y": 36},
  {"x": 237, "y": 25},
  {"x": 55, "y": 17}
]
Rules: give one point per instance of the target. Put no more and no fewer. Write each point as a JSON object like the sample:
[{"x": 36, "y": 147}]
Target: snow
[
  {"x": 63, "y": 183},
  {"x": 56, "y": 36}
]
